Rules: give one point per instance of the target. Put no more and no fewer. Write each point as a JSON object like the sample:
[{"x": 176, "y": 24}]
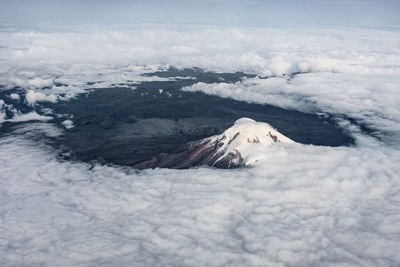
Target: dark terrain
[{"x": 134, "y": 122}]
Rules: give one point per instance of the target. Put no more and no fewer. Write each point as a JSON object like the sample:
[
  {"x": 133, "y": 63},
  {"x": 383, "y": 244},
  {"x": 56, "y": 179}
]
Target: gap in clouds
[{"x": 130, "y": 123}]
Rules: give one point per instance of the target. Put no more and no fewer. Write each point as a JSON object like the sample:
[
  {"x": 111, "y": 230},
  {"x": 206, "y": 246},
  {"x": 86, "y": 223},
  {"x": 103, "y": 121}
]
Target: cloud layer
[
  {"x": 43, "y": 59},
  {"x": 302, "y": 205},
  {"x": 334, "y": 206},
  {"x": 349, "y": 71}
]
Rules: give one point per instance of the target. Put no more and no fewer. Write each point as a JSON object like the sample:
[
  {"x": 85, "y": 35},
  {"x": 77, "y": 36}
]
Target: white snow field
[
  {"x": 248, "y": 140},
  {"x": 301, "y": 205}
]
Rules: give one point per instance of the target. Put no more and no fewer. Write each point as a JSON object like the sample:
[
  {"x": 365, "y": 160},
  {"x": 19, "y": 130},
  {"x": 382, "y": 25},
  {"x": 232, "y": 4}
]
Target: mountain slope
[{"x": 240, "y": 145}]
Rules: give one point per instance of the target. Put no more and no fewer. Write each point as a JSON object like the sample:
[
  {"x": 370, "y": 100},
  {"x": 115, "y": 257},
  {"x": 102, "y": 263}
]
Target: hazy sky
[{"x": 223, "y": 12}]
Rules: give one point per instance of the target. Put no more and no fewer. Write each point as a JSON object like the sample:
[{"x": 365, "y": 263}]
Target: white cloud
[
  {"x": 38, "y": 59},
  {"x": 335, "y": 206},
  {"x": 32, "y": 97},
  {"x": 31, "y": 116},
  {"x": 2, "y": 112},
  {"x": 15, "y": 97},
  {"x": 68, "y": 124},
  {"x": 352, "y": 71}
]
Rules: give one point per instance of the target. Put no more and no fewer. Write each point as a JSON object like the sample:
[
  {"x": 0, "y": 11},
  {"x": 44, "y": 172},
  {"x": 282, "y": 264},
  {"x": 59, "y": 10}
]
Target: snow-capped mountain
[{"x": 240, "y": 145}]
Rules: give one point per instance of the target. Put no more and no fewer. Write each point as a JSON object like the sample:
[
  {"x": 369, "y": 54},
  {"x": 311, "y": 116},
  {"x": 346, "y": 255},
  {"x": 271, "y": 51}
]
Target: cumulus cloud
[
  {"x": 24, "y": 80},
  {"x": 31, "y": 116},
  {"x": 68, "y": 124},
  {"x": 15, "y": 97},
  {"x": 32, "y": 97}
]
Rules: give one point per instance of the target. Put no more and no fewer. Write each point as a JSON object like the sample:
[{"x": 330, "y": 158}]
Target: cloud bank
[
  {"x": 335, "y": 206},
  {"x": 70, "y": 59}
]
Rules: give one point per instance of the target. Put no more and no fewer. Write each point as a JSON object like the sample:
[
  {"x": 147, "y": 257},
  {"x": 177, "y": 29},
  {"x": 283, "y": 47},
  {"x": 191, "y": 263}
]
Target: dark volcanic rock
[{"x": 202, "y": 153}]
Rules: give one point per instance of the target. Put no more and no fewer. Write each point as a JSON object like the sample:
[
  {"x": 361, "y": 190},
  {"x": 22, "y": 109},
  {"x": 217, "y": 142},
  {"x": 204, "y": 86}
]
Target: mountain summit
[{"x": 238, "y": 146}]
